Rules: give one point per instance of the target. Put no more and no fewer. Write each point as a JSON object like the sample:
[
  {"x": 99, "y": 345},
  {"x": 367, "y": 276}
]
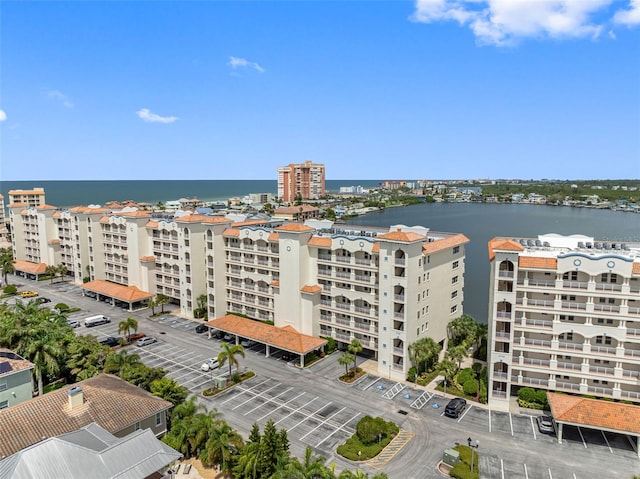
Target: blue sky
[{"x": 431, "y": 89}]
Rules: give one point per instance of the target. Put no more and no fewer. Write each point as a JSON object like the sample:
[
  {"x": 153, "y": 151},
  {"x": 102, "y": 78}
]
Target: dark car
[
  {"x": 202, "y": 328},
  {"x": 43, "y": 300},
  {"x": 110, "y": 341},
  {"x": 545, "y": 424},
  {"x": 455, "y": 407}
]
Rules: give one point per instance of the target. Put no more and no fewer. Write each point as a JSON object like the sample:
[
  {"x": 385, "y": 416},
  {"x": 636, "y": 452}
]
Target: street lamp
[{"x": 476, "y": 446}]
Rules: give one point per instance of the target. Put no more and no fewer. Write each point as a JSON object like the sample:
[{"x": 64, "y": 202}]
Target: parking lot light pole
[{"x": 477, "y": 444}]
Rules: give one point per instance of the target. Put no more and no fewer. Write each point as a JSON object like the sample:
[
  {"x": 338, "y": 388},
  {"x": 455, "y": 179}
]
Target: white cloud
[
  {"x": 630, "y": 17},
  {"x": 3, "y": 115},
  {"x": 61, "y": 97},
  {"x": 148, "y": 116},
  {"x": 504, "y": 22},
  {"x": 235, "y": 63}
]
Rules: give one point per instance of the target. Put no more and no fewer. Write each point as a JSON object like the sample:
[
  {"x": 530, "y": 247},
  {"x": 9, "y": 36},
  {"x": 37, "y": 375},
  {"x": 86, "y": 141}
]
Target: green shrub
[
  {"x": 331, "y": 344},
  {"x": 541, "y": 397},
  {"x": 412, "y": 374},
  {"x": 527, "y": 395},
  {"x": 470, "y": 387},
  {"x": 370, "y": 430},
  {"x": 482, "y": 397},
  {"x": 462, "y": 470},
  {"x": 465, "y": 375},
  {"x": 63, "y": 308},
  {"x": 376, "y": 432},
  {"x": 10, "y": 289}
]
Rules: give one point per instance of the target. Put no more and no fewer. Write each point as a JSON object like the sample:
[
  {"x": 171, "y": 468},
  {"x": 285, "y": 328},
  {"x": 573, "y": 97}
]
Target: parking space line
[
  {"x": 465, "y": 413},
  {"x": 502, "y": 468},
  {"x": 147, "y": 351},
  {"x": 607, "y": 441},
  {"x": 188, "y": 373},
  {"x": 526, "y": 473},
  {"x": 310, "y": 416},
  {"x": 533, "y": 428},
  {"x": 281, "y": 406},
  {"x": 296, "y": 410},
  {"x": 337, "y": 429},
  {"x": 323, "y": 422},
  {"x": 582, "y": 437},
  {"x": 372, "y": 384},
  {"x": 511, "y": 423},
  {"x": 256, "y": 396},
  {"x": 271, "y": 399},
  {"x": 550, "y": 476},
  {"x": 244, "y": 390}
]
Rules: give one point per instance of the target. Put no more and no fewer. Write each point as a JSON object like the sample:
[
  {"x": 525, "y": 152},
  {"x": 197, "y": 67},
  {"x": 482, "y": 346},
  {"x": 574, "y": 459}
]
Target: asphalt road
[{"x": 319, "y": 411}]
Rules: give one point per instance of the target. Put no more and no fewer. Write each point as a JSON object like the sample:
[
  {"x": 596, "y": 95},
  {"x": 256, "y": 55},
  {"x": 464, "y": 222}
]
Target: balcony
[
  {"x": 536, "y": 381},
  {"x": 398, "y": 351},
  {"x": 632, "y": 395},
  {"x": 634, "y": 310},
  {"x": 325, "y": 302},
  {"x": 499, "y": 394},
  {"x": 343, "y": 322},
  {"x": 598, "y": 391},
  {"x": 537, "y": 323},
  {"x": 325, "y": 257},
  {"x": 345, "y": 306},
  {"x": 499, "y": 375},
  {"x": 562, "y": 386},
  {"x": 633, "y": 332},
  {"x": 505, "y": 274},
  {"x": 343, "y": 259},
  {"x": 363, "y": 261},
  {"x": 632, "y": 352},
  {"x": 324, "y": 272},
  {"x": 571, "y": 366},
  {"x": 398, "y": 315},
  {"x": 539, "y": 283},
  {"x": 537, "y": 342},
  {"x": 605, "y": 350},
  {"x": 362, "y": 326},
  {"x": 504, "y": 314},
  {"x": 342, "y": 274},
  {"x": 574, "y": 285},
  {"x": 503, "y": 334},
  {"x": 600, "y": 370},
  {"x": 607, "y": 308},
  {"x": 539, "y": 303},
  {"x": 608, "y": 287},
  {"x": 536, "y": 362},
  {"x": 574, "y": 306},
  {"x": 572, "y": 346}
]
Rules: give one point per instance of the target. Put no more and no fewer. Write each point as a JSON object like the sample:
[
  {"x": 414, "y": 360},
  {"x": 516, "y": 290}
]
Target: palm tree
[
  {"x": 346, "y": 359},
  {"x": 228, "y": 354},
  {"x": 45, "y": 353},
  {"x": 354, "y": 348},
  {"x": 118, "y": 362},
  {"x": 223, "y": 445},
  {"x": 161, "y": 300},
  {"x": 424, "y": 350},
  {"x": 128, "y": 325},
  {"x": 448, "y": 369},
  {"x": 51, "y": 271},
  {"x": 7, "y": 266},
  {"x": 62, "y": 271},
  {"x": 311, "y": 467},
  {"x": 462, "y": 329},
  {"x": 457, "y": 354}
]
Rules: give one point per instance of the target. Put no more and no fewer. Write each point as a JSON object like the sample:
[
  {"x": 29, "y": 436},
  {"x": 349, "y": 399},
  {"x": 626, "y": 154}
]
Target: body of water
[
  {"x": 479, "y": 222},
  {"x": 65, "y": 194}
]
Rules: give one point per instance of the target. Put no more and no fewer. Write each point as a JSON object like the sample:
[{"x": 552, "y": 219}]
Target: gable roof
[
  {"x": 29, "y": 267},
  {"x": 595, "y": 413},
  {"x": 503, "y": 245},
  {"x": 444, "y": 243},
  {"x": 111, "y": 402},
  {"x": 12, "y": 363},
  {"x": 297, "y": 227},
  {"x": 322, "y": 241},
  {"x": 94, "y": 449},
  {"x": 403, "y": 236},
  {"x": 130, "y": 294},
  {"x": 540, "y": 262},
  {"x": 286, "y": 338}
]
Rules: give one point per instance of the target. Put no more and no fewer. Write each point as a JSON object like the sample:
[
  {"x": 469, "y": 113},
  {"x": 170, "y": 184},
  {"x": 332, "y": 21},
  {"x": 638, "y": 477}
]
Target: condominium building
[
  {"x": 4, "y": 232},
  {"x": 564, "y": 315},
  {"x": 384, "y": 287},
  {"x": 304, "y": 181},
  {"x": 33, "y": 197}
]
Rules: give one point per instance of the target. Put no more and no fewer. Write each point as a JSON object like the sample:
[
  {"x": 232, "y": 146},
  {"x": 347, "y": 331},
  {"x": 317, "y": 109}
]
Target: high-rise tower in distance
[{"x": 304, "y": 181}]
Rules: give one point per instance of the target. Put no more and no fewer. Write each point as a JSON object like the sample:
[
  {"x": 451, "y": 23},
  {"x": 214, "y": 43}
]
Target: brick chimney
[{"x": 76, "y": 397}]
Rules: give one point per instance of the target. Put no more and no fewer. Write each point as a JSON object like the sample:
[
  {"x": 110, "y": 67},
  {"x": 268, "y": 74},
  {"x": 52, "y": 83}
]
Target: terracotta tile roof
[
  {"x": 29, "y": 267},
  {"x": 294, "y": 227},
  {"x": 147, "y": 258},
  {"x": 57, "y": 214},
  {"x": 109, "y": 401},
  {"x": 595, "y": 413},
  {"x": 86, "y": 209},
  {"x": 275, "y": 283},
  {"x": 504, "y": 245},
  {"x": 273, "y": 237},
  {"x": 375, "y": 248},
  {"x": 311, "y": 289},
  {"x": 16, "y": 362},
  {"x": 635, "y": 269},
  {"x": 247, "y": 223},
  {"x": 46, "y": 207},
  {"x": 151, "y": 224},
  {"x": 133, "y": 214},
  {"x": 231, "y": 233},
  {"x": 444, "y": 243},
  {"x": 404, "y": 236},
  {"x": 26, "y": 192},
  {"x": 216, "y": 219},
  {"x": 129, "y": 294},
  {"x": 537, "y": 262},
  {"x": 54, "y": 241},
  {"x": 190, "y": 219},
  {"x": 321, "y": 241},
  {"x": 286, "y": 338},
  {"x": 104, "y": 219}
]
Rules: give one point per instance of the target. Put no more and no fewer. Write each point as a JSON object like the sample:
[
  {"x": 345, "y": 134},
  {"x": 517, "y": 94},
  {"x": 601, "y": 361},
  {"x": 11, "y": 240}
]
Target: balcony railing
[
  {"x": 603, "y": 349},
  {"x": 574, "y": 285},
  {"x": 630, "y": 395},
  {"x": 572, "y": 366},
  {"x": 499, "y": 375},
  {"x": 343, "y": 322},
  {"x": 398, "y": 297},
  {"x": 574, "y": 305},
  {"x": 600, "y": 391},
  {"x": 343, "y": 259},
  {"x": 398, "y": 315},
  {"x": 346, "y": 306},
  {"x": 504, "y": 314},
  {"x": 505, "y": 274},
  {"x": 542, "y": 283},
  {"x": 632, "y": 352},
  {"x": 601, "y": 370},
  {"x": 536, "y": 381},
  {"x": 400, "y": 261},
  {"x": 502, "y": 334},
  {"x": 608, "y": 287},
  {"x": 397, "y": 350},
  {"x": 536, "y": 362},
  {"x": 499, "y": 394},
  {"x": 326, "y": 257},
  {"x": 567, "y": 386},
  {"x": 538, "y": 342},
  {"x": 572, "y": 346},
  {"x": 634, "y": 310},
  {"x": 363, "y": 261},
  {"x": 609, "y": 308},
  {"x": 540, "y": 303}
]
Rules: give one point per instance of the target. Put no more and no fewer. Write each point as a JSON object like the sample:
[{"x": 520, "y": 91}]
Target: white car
[
  {"x": 209, "y": 364},
  {"x": 146, "y": 340}
]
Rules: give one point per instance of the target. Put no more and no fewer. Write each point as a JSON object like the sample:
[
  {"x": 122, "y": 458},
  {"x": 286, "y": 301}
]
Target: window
[
  {"x": 454, "y": 294},
  {"x": 455, "y": 264},
  {"x": 3, "y": 386},
  {"x": 603, "y": 340},
  {"x": 454, "y": 308},
  {"x": 564, "y": 297},
  {"x": 158, "y": 419},
  {"x": 456, "y": 249},
  {"x": 4, "y": 404},
  {"x": 454, "y": 280},
  {"x": 571, "y": 275},
  {"x": 568, "y": 336},
  {"x": 137, "y": 426}
]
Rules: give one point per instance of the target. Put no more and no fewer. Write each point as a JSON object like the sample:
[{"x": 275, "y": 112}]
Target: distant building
[
  {"x": 4, "y": 232},
  {"x": 354, "y": 190},
  {"x": 296, "y": 213},
  {"x": 34, "y": 197},
  {"x": 305, "y": 181},
  {"x": 15, "y": 379}
]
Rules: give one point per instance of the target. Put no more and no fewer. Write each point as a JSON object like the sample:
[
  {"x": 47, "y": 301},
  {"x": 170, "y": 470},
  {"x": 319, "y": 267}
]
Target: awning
[
  {"x": 129, "y": 294},
  {"x": 29, "y": 267},
  {"x": 286, "y": 338}
]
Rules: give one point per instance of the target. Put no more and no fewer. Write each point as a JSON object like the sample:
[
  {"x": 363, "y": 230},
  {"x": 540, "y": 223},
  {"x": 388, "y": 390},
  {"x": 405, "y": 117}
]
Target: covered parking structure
[
  {"x": 595, "y": 414},
  {"x": 29, "y": 270},
  {"x": 134, "y": 297},
  {"x": 285, "y": 338}
]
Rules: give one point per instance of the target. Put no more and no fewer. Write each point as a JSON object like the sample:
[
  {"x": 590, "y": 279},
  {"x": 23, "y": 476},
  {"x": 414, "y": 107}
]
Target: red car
[{"x": 134, "y": 337}]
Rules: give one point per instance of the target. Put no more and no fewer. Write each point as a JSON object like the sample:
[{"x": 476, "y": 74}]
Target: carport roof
[
  {"x": 29, "y": 267},
  {"x": 129, "y": 294},
  {"x": 286, "y": 338},
  {"x": 595, "y": 413}
]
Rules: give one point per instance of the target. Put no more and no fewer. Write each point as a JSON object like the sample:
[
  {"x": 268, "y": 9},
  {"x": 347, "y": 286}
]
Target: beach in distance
[{"x": 478, "y": 221}]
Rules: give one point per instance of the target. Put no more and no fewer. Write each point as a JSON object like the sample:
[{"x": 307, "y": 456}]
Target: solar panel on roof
[
  {"x": 5, "y": 367},
  {"x": 538, "y": 243}
]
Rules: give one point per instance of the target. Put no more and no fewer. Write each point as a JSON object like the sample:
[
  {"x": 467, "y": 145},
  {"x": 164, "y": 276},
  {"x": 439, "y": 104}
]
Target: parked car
[
  {"x": 74, "y": 323},
  {"x": 110, "y": 341},
  {"x": 134, "y": 337},
  {"x": 209, "y": 364},
  {"x": 202, "y": 328},
  {"x": 545, "y": 424},
  {"x": 145, "y": 341},
  {"x": 29, "y": 294},
  {"x": 247, "y": 343},
  {"x": 42, "y": 300},
  {"x": 227, "y": 337},
  {"x": 455, "y": 407}
]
